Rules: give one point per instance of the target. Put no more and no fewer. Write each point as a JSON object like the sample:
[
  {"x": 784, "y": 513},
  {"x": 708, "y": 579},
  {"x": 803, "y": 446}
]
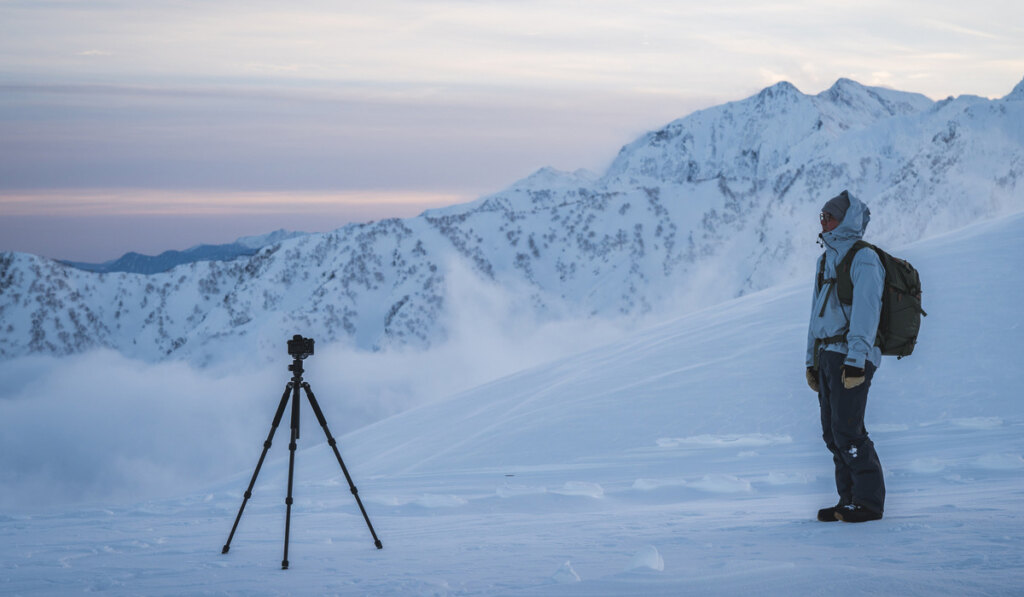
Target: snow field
[{"x": 683, "y": 460}]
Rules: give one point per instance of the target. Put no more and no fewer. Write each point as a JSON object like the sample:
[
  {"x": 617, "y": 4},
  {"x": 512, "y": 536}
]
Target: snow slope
[
  {"x": 710, "y": 207},
  {"x": 684, "y": 460}
]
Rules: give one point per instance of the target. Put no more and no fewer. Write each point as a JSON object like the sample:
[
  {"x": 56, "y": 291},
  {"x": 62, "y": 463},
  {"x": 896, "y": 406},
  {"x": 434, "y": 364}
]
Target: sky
[{"x": 160, "y": 125}]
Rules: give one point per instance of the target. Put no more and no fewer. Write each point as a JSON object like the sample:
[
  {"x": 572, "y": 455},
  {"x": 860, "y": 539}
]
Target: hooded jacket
[{"x": 858, "y": 321}]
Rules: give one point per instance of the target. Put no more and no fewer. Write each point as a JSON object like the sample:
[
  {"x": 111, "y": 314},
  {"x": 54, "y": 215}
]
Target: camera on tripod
[{"x": 300, "y": 347}]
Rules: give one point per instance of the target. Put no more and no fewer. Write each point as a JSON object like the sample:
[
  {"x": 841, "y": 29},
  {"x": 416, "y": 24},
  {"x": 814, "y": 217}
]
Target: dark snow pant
[{"x": 858, "y": 470}]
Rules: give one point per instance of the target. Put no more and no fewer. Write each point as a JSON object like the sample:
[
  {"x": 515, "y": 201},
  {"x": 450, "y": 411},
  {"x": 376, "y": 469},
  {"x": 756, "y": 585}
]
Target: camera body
[{"x": 300, "y": 347}]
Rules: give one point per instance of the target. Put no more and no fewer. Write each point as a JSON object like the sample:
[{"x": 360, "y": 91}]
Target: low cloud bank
[{"x": 102, "y": 428}]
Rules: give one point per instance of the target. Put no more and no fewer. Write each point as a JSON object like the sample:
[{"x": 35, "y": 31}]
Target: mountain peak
[
  {"x": 1018, "y": 92},
  {"x": 842, "y": 90},
  {"x": 844, "y": 82},
  {"x": 851, "y": 97},
  {"x": 780, "y": 89}
]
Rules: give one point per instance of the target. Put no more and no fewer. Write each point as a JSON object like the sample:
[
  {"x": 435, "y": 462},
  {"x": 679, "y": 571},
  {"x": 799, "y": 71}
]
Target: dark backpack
[{"x": 900, "y": 320}]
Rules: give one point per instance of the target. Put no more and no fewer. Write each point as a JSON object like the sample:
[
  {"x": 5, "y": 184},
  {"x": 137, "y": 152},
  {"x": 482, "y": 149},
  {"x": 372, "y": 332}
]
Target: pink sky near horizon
[{"x": 97, "y": 225}]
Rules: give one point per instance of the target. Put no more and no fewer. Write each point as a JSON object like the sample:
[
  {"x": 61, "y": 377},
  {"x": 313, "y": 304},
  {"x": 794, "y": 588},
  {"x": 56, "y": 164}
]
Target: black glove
[
  {"x": 812, "y": 378},
  {"x": 852, "y": 376}
]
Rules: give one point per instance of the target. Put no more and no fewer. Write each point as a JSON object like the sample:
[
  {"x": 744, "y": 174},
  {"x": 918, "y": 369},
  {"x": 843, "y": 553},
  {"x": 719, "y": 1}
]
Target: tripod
[{"x": 299, "y": 348}]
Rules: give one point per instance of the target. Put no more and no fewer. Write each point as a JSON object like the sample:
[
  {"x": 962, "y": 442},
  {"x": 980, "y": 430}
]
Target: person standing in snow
[{"x": 842, "y": 358}]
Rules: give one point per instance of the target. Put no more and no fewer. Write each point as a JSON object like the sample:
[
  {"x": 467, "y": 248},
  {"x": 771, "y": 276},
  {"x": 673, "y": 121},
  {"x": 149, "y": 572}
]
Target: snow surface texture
[
  {"x": 712, "y": 206},
  {"x": 685, "y": 459}
]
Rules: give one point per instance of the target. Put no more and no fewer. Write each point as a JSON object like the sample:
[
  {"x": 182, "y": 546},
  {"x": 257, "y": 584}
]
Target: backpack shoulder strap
[
  {"x": 844, "y": 278},
  {"x": 847, "y": 261},
  {"x": 821, "y": 272}
]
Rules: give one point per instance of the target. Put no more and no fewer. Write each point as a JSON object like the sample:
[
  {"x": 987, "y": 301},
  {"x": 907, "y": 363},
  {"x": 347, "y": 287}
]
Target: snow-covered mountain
[
  {"x": 712, "y": 206},
  {"x": 136, "y": 263}
]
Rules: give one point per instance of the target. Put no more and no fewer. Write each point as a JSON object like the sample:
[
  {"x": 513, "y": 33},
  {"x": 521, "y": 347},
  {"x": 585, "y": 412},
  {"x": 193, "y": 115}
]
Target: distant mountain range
[
  {"x": 135, "y": 263},
  {"x": 717, "y": 204}
]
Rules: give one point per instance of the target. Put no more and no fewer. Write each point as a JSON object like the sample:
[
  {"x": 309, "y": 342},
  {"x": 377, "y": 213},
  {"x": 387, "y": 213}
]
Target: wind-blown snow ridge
[{"x": 709, "y": 207}]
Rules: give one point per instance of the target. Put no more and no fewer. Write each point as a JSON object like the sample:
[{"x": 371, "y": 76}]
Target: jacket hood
[{"x": 851, "y": 229}]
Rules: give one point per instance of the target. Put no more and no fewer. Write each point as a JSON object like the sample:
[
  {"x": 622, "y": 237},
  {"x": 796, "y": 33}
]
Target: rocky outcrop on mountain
[{"x": 715, "y": 205}]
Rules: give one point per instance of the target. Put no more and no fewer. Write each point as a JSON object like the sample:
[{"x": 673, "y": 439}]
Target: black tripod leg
[
  {"x": 334, "y": 445},
  {"x": 266, "y": 446},
  {"x": 291, "y": 473}
]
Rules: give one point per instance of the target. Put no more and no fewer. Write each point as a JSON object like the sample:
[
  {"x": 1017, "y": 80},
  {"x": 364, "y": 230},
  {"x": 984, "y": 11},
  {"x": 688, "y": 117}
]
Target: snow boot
[
  {"x": 828, "y": 514},
  {"x": 855, "y": 513}
]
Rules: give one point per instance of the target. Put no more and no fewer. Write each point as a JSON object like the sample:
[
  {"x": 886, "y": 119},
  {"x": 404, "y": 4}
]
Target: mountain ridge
[
  {"x": 137, "y": 263},
  {"x": 1017, "y": 93},
  {"x": 711, "y": 206}
]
